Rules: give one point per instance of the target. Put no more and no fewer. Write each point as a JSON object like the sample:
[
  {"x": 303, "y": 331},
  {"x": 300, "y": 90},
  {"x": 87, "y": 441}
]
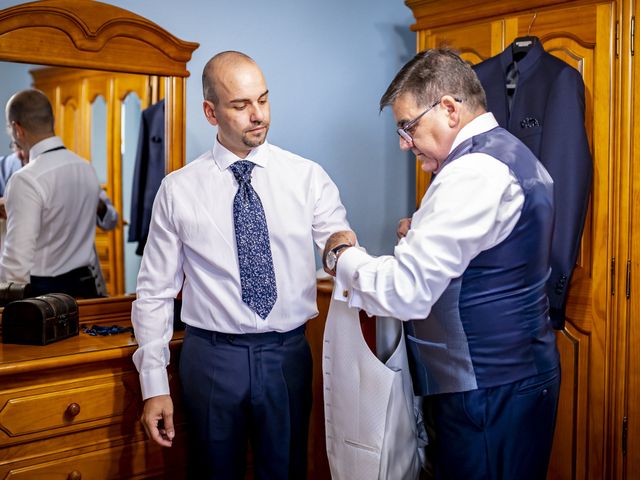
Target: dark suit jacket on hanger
[
  {"x": 547, "y": 114},
  {"x": 148, "y": 174}
]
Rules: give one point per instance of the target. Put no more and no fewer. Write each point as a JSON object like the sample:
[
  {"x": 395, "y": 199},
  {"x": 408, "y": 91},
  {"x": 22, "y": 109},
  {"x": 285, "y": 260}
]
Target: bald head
[
  {"x": 236, "y": 101},
  {"x": 218, "y": 67},
  {"x": 31, "y": 110}
]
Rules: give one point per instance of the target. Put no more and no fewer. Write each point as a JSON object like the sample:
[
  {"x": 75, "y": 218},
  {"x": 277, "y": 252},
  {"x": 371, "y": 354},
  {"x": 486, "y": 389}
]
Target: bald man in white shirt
[{"x": 245, "y": 368}]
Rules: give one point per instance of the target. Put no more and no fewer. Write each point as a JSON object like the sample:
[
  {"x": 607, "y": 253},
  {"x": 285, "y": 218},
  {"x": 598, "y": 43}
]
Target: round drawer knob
[
  {"x": 73, "y": 410},
  {"x": 75, "y": 475}
]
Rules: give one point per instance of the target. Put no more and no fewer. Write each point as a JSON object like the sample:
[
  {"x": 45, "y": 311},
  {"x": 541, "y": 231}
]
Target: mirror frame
[{"x": 98, "y": 36}]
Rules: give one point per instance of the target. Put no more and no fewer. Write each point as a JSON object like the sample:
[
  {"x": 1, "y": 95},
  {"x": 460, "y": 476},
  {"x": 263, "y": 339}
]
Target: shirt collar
[
  {"x": 527, "y": 62},
  {"x": 480, "y": 124},
  {"x": 223, "y": 157},
  {"x": 44, "y": 145}
]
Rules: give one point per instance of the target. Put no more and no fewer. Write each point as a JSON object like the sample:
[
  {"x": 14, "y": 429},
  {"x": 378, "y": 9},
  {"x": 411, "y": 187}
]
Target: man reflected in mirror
[
  {"x": 106, "y": 214},
  {"x": 51, "y": 206}
]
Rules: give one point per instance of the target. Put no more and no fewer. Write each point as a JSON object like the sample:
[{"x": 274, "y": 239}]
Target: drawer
[
  {"x": 137, "y": 460},
  {"x": 50, "y": 412}
]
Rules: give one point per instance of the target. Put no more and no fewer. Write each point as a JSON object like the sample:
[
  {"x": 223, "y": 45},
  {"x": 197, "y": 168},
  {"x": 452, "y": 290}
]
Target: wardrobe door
[{"x": 583, "y": 37}]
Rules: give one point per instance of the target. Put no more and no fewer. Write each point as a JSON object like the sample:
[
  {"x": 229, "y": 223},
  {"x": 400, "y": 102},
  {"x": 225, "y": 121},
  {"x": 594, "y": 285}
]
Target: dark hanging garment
[
  {"x": 148, "y": 173},
  {"x": 540, "y": 99}
]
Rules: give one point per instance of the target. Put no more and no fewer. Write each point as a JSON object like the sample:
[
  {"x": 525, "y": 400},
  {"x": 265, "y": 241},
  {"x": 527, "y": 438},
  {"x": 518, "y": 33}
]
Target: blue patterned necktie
[{"x": 257, "y": 278}]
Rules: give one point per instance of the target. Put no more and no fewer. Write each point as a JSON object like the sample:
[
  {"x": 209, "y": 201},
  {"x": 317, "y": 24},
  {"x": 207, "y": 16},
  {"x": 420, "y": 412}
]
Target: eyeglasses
[{"x": 405, "y": 130}]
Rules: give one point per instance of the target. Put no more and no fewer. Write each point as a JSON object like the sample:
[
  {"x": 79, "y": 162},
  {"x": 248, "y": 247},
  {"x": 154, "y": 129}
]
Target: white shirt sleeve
[
  {"x": 472, "y": 205},
  {"x": 110, "y": 219},
  {"x": 159, "y": 281},
  {"x": 329, "y": 213}
]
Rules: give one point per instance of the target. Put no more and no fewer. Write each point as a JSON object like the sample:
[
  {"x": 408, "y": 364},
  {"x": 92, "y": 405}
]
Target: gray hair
[{"x": 433, "y": 73}]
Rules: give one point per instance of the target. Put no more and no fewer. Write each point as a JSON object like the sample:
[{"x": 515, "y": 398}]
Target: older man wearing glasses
[{"x": 468, "y": 277}]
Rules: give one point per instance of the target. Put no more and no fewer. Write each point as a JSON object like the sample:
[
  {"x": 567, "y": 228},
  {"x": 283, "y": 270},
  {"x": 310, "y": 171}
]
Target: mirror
[
  {"x": 98, "y": 37},
  {"x": 89, "y": 107}
]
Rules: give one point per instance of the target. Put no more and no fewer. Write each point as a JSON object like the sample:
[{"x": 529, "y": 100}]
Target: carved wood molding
[
  {"x": 90, "y": 34},
  {"x": 436, "y": 13}
]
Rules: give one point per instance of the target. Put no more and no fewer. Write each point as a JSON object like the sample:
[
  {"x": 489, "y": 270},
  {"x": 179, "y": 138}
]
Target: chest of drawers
[{"x": 70, "y": 410}]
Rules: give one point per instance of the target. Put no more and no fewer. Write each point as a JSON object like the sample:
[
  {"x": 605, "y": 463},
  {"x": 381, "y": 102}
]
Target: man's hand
[
  {"x": 157, "y": 419},
  {"x": 344, "y": 237},
  {"x": 102, "y": 208},
  {"x": 403, "y": 227}
]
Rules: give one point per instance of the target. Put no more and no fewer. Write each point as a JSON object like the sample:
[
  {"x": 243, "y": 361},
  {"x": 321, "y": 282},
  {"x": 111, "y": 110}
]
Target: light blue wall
[
  {"x": 13, "y": 77},
  {"x": 327, "y": 63}
]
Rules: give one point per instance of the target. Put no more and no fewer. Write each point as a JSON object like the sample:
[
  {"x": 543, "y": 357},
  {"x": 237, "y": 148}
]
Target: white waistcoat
[{"x": 370, "y": 413}]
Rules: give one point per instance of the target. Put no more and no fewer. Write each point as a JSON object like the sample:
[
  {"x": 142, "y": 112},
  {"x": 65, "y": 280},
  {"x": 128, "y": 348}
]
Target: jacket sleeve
[
  {"x": 139, "y": 180},
  {"x": 565, "y": 153}
]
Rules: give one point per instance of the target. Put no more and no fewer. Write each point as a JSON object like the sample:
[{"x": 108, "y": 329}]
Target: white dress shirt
[
  {"x": 51, "y": 214},
  {"x": 191, "y": 245},
  {"x": 472, "y": 205}
]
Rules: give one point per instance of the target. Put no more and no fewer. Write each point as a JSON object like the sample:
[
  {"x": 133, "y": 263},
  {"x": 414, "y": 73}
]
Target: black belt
[
  {"x": 245, "y": 338},
  {"x": 78, "y": 282}
]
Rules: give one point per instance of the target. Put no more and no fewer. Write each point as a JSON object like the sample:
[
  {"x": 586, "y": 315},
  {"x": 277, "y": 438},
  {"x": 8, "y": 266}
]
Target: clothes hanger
[{"x": 521, "y": 45}]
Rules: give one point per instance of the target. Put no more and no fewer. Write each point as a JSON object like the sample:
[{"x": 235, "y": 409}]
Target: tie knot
[{"x": 242, "y": 170}]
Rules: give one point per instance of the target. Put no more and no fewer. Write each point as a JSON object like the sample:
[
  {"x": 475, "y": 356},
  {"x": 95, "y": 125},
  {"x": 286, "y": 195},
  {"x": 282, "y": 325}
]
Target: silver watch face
[{"x": 331, "y": 260}]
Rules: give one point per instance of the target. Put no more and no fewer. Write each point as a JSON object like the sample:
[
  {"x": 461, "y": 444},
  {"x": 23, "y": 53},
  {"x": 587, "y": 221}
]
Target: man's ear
[
  {"x": 18, "y": 131},
  {"x": 210, "y": 112},
  {"x": 453, "y": 110}
]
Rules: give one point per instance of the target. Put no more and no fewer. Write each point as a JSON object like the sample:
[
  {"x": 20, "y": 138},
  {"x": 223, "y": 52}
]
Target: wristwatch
[{"x": 332, "y": 255}]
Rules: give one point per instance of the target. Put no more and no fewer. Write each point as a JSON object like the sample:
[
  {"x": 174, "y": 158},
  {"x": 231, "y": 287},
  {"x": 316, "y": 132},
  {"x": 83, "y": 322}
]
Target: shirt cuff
[
  {"x": 154, "y": 382},
  {"x": 346, "y": 271}
]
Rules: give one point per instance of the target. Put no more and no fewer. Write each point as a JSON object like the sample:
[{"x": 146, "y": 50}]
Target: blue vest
[{"x": 491, "y": 326}]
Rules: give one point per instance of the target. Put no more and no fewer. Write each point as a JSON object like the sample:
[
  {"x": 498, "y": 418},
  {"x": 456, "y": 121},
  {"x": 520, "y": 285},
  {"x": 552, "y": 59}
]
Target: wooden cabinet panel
[
  {"x": 70, "y": 116},
  {"x": 41, "y": 438},
  {"x": 39, "y": 413},
  {"x": 475, "y": 42},
  {"x": 126, "y": 461}
]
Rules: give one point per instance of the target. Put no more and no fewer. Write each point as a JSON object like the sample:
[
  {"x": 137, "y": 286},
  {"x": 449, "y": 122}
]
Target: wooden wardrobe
[{"x": 598, "y": 429}]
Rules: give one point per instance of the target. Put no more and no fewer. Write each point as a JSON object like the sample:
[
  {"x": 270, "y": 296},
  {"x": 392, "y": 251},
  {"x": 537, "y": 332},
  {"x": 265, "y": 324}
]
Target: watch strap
[{"x": 340, "y": 247}]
